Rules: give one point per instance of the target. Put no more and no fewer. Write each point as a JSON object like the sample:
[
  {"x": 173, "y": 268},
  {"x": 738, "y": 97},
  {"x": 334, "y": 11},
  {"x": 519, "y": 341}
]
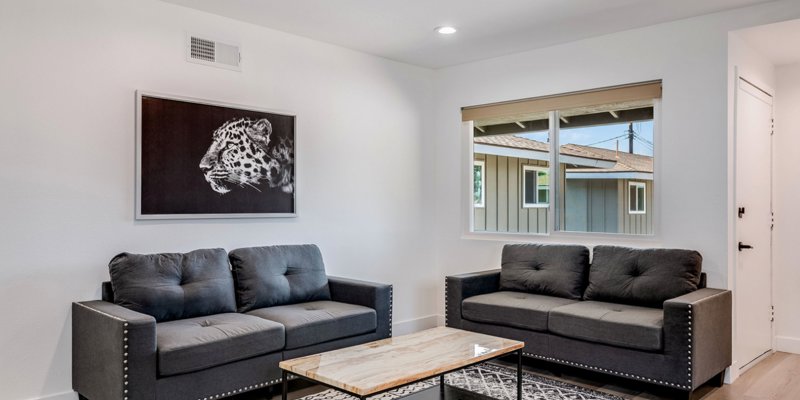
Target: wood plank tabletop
[{"x": 389, "y": 363}]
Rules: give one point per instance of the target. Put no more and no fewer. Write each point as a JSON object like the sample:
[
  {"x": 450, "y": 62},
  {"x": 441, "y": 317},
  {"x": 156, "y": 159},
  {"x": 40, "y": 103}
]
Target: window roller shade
[{"x": 618, "y": 94}]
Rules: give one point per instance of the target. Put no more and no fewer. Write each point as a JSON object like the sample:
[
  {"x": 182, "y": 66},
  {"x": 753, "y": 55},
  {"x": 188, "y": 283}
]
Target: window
[
  {"x": 478, "y": 190},
  {"x": 637, "y": 198},
  {"x": 578, "y": 162},
  {"x": 535, "y": 187},
  {"x": 601, "y": 154}
]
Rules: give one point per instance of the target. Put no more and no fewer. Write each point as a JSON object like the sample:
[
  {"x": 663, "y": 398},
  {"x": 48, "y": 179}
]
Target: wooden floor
[{"x": 775, "y": 378}]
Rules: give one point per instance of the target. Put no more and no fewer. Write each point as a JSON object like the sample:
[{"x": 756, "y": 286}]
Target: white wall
[
  {"x": 786, "y": 194},
  {"x": 692, "y": 152},
  {"x": 67, "y": 80},
  {"x": 372, "y": 167}
]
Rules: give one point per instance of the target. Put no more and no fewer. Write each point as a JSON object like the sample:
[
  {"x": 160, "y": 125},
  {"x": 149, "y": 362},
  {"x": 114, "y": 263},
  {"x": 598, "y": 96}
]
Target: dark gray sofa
[
  {"x": 208, "y": 324},
  {"x": 641, "y": 314}
]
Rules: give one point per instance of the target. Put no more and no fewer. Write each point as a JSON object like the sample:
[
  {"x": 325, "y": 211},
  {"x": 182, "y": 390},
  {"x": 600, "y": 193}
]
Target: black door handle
[{"x": 743, "y": 246}]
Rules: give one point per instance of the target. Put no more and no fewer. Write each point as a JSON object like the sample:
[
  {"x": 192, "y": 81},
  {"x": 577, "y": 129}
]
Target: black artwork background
[{"x": 175, "y": 136}]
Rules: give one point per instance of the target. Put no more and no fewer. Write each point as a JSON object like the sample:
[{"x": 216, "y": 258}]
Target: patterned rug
[{"x": 490, "y": 380}]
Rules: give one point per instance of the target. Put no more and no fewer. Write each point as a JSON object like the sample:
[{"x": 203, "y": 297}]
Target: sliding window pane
[
  {"x": 514, "y": 154},
  {"x": 606, "y": 168}
]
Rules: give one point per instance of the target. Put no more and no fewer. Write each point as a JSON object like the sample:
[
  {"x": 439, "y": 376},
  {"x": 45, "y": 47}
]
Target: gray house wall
[
  {"x": 591, "y": 205},
  {"x": 636, "y": 224},
  {"x": 601, "y": 205},
  {"x": 503, "y": 211}
]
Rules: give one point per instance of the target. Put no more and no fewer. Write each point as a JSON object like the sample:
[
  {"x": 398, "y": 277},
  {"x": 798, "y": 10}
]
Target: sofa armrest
[
  {"x": 698, "y": 327},
  {"x": 377, "y": 296},
  {"x": 459, "y": 287},
  {"x": 113, "y": 352}
]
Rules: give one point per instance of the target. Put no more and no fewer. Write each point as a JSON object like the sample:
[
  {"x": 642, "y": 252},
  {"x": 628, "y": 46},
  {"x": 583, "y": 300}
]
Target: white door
[{"x": 753, "y": 291}]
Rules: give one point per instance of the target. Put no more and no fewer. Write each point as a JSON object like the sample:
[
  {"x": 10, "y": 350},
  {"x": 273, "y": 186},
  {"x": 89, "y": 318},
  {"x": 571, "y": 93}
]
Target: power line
[
  {"x": 637, "y": 136},
  {"x": 607, "y": 140},
  {"x": 643, "y": 142}
]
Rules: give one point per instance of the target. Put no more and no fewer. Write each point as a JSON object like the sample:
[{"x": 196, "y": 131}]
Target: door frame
[{"x": 736, "y": 368}]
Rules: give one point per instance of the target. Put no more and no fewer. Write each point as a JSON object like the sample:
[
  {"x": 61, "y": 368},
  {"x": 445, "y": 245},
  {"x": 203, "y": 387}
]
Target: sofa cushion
[
  {"x": 319, "y": 321},
  {"x": 643, "y": 277},
  {"x": 198, "y": 343},
  {"x": 552, "y": 270},
  {"x": 615, "y": 324},
  {"x": 278, "y": 275},
  {"x": 172, "y": 286},
  {"x": 515, "y": 309}
]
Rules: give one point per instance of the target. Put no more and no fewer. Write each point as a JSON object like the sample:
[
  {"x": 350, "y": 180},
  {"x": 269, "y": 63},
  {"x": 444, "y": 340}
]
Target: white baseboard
[
  {"x": 70, "y": 395},
  {"x": 787, "y": 344},
  {"x": 415, "y": 325}
]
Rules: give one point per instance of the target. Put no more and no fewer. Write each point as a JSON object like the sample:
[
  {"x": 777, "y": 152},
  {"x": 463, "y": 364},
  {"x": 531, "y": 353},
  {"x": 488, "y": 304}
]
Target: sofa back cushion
[
  {"x": 553, "y": 270},
  {"x": 170, "y": 286},
  {"x": 278, "y": 275},
  {"x": 642, "y": 277}
]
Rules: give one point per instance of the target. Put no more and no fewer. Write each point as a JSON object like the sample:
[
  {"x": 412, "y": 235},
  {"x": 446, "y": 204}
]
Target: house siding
[
  {"x": 591, "y": 205},
  {"x": 636, "y": 224},
  {"x": 503, "y": 211}
]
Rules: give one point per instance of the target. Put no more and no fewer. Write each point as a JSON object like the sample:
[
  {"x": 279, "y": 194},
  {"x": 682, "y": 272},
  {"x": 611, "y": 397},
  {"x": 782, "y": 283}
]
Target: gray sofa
[
  {"x": 641, "y": 314},
  {"x": 208, "y": 324}
]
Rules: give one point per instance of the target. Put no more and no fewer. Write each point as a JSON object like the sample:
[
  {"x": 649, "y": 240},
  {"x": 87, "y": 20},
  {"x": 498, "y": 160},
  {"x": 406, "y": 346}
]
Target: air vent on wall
[{"x": 213, "y": 53}]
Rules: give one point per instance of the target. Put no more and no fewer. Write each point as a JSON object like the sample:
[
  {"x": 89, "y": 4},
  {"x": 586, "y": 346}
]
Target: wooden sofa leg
[{"x": 719, "y": 379}]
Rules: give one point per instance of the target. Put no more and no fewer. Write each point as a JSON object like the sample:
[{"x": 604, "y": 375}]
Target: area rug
[{"x": 490, "y": 380}]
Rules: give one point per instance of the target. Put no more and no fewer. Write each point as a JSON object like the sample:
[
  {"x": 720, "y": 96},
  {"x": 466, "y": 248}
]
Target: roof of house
[{"x": 624, "y": 162}]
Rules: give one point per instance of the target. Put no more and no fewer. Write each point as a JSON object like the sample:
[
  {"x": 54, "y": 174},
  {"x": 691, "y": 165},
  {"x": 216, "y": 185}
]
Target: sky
[{"x": 591, "y": 135}]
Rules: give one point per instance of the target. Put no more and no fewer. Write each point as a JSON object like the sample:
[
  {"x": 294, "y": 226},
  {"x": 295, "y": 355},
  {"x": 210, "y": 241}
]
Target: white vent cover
[{"x": 213, "y": 53}]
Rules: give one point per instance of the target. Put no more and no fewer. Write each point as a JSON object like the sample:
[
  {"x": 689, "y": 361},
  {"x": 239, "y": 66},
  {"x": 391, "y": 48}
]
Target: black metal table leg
[
  {"x": 285, "y": 385},
  {"x": 519, "y": 374}
]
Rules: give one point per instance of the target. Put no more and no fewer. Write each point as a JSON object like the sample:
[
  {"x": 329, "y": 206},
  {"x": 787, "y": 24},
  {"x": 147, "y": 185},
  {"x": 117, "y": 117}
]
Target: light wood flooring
[{"x": 775, "y": 378}]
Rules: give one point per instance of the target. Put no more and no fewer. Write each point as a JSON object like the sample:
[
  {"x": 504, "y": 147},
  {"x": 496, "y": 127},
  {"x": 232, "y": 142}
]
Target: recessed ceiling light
[{"x": 446, "y": 30}]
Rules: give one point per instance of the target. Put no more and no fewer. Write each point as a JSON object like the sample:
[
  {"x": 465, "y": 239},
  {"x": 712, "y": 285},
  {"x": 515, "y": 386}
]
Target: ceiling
[
  {"x": 778, "y": 42},
  {"x": 403, "y": 30}
]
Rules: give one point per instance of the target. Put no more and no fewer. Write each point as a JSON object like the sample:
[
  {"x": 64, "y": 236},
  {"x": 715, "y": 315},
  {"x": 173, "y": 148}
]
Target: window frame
[
  {"x": 555, "y": 232},
  {"x": 637, "y": 185},
  {"x": 536, "y": 169},
  {"x": 482, "y": 165}
]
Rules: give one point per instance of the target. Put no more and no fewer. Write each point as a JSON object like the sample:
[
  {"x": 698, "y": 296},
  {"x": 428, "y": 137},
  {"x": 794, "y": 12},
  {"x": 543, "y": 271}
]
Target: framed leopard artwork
[{"x": 203, "y": 159}]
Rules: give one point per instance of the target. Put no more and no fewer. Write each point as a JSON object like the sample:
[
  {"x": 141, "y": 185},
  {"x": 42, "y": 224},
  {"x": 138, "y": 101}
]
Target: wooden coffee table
[{"x": 373, "y": 368}]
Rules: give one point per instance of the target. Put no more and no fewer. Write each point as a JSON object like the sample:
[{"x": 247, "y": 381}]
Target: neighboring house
[{"x": 606, "y": 190}]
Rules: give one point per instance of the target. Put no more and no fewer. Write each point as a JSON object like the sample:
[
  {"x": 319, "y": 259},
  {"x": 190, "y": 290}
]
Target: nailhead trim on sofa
[
  {"x": 391, "y": 307},
  {"x": 244, "y": 389},
  {"x": 608, "y": 371},
  {"x": 689, "y": 340},
  {"x": 125, "y": 360},
  {"x": 445, "y": 300},
  {"x": 632, "y": 376},
  {"x": 124, "y": 348}
]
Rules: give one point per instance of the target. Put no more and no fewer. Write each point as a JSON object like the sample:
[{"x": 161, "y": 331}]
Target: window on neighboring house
[
  {"x": 478, "y": 182},
  {"x": 535, "y": 186},
  {"x": 577, "y": 162},
  {"x": 637, "y": 198}
]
